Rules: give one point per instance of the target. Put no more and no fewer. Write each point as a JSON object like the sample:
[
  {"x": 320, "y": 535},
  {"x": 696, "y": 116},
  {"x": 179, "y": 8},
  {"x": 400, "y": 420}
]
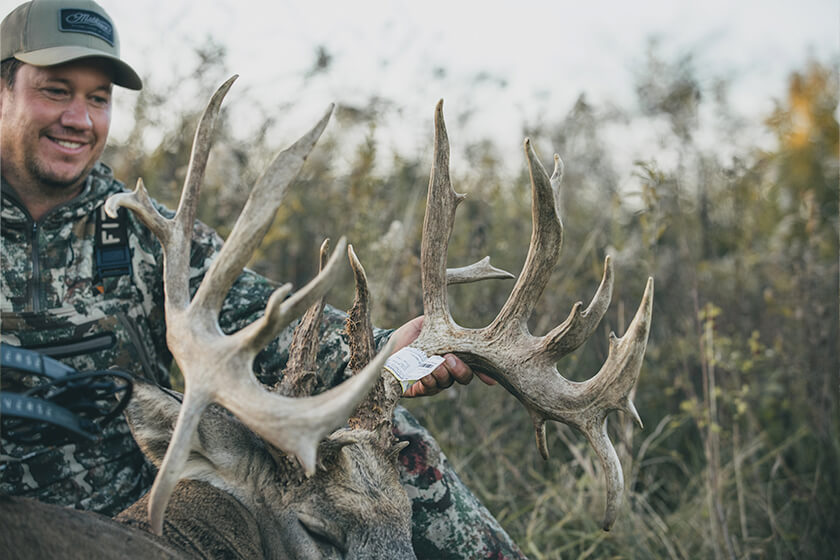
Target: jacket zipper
[
  {"x": 32, "y": 226},
  {"x": 37, "y": 295},
  {"x": 36, "y": 269}
]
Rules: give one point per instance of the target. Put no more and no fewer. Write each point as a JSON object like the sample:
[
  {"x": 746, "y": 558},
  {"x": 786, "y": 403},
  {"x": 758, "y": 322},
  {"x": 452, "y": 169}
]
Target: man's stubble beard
[{"x": 47, "y": 179}]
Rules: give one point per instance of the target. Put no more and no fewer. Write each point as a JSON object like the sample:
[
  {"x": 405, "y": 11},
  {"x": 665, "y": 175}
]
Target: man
[{"x": 62, "y": 297}]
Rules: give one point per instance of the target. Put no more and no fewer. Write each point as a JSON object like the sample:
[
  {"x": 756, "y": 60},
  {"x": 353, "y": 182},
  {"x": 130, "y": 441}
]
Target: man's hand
[{"x": 451, "y": 370}]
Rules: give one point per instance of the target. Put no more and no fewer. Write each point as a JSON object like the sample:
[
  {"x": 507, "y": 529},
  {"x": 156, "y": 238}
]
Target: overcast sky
[{"x": 505, "y": 62}]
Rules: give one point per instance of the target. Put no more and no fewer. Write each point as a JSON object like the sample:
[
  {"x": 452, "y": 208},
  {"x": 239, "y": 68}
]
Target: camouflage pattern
[
  {"x": 448, "y": 521},
  {"x": 51, "y": 299}
]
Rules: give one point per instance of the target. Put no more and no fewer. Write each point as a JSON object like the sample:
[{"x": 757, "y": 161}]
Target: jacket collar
[{"x": 99, "y": 185}]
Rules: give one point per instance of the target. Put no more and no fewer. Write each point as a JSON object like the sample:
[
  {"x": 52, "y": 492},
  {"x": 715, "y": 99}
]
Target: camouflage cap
[{"x": 48, "y": 32}]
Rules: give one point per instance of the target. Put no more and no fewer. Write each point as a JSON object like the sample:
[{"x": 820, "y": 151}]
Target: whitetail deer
[
  {"x": 286, "y": 503},
  {"x": 285, "y": 482}
]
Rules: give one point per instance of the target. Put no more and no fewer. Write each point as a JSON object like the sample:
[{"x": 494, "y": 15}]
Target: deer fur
[{"x": 243, "y": 498}]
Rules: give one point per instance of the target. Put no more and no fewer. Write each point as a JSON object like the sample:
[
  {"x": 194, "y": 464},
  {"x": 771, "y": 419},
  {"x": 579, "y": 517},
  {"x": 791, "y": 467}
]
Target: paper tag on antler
[{"x": 410, "y": 364}]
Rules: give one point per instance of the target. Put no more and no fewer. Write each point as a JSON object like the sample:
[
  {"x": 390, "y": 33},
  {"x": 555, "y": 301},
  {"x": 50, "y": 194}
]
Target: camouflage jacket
[{"x": 52, "y": 301}]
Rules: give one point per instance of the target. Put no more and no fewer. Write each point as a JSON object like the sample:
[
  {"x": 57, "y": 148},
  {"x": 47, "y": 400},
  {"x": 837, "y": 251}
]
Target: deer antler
[
  {"x": 525, "y": 364},
  {"x": 299, "y": 376},
  {"x": 376, "y": 411},
  {"x": 217, "y": 367}
]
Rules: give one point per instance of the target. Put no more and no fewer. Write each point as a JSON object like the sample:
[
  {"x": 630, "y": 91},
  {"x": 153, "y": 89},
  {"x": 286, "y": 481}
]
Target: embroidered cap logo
[{"x": 85, "y": 21}]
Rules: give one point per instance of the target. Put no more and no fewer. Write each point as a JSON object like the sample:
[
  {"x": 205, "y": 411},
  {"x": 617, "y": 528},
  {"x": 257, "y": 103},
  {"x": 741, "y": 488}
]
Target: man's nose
[{"x": 76, "y": 115}]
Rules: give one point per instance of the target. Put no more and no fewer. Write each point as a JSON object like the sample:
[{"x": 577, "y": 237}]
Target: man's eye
[
  {"x": 100, "y": 101},
  {"x": 55, "y": 92}
]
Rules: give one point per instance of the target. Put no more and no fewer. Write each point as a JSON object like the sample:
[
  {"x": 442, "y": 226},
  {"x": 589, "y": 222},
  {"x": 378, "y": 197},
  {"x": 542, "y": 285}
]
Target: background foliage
[{"x": 740, "y": 455}]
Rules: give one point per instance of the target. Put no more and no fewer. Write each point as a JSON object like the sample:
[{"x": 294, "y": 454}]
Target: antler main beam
[
  {"x": 217, "y": 367},
  {"x": 523, "y": 363}
]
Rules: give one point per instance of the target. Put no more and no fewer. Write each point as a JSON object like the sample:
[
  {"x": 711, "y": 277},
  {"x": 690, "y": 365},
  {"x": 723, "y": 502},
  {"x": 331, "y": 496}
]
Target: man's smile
[{"x": 67, "y": 145}]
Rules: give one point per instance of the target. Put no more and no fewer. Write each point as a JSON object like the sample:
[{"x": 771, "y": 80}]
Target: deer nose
[{"x": 77, "y": 116}]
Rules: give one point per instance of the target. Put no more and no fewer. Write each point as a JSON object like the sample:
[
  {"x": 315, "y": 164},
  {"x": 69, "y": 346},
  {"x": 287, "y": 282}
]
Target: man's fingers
[
  {"x": 486, "y": 378},
  {"x": 432, "y": 384},
  {"x": 444, "y": 376},
  {"x": 459, "y": 371},
  {"x": 420, "y": 390},
  {"x": 429, "y": 386}
]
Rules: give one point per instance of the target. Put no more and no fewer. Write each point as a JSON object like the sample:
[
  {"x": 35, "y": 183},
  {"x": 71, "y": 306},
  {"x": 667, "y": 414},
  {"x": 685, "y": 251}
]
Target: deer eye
[{"x": 322, "y": 532}]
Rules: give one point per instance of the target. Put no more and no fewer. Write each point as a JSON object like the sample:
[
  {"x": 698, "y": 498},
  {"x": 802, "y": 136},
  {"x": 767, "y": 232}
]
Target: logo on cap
[{"x": 85, "y": 21}]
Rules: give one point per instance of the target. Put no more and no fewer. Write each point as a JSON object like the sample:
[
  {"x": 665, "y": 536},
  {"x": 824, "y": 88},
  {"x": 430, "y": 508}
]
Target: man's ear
[{"x": 5, "y": 91}]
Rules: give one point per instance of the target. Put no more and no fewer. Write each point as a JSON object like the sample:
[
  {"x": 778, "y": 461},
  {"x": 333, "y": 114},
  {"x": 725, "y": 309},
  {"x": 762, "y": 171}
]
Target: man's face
[{"x": 53, "y": 124}]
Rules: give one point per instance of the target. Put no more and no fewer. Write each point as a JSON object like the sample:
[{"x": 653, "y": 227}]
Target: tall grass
[{"x": 740, "y": 454}]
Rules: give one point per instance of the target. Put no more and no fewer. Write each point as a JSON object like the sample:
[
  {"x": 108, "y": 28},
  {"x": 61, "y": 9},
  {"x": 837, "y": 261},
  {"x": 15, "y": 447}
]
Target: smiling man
[
  {"x": 59, "y": 65},
  {"x": 87, "y": 289},
  {"x": 54, "y": 130}
]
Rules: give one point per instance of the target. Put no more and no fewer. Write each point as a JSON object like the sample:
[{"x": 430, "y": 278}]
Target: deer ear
[
  {"x": 217, "y": 446},
  {"x": 329, "y": 449},
  {"x": 151, "y": 414}
]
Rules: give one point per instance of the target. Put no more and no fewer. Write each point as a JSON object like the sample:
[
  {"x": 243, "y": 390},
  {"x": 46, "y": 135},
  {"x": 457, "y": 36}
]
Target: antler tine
[
  {"x": 256, "y": 217},
  {"x": 481, "y": 270},
  {"x": 580, "y": 325},
  {"x": 176, "y": 234},
  {"x": 299, "y": 377},
  {"x": 185, "y": 214},
  {"x": 617, "y": 377},
  {"x": 441, "y": 203},
  {"x": 281, "y": 309},
  {"x": 544, "y": 249},
  {"x": 613, "y": 385},
  {"x": 376, "y": 410},
  {"x": 138, "y": 201},
  {"x": 359, "y": 326},
  {"x": 304, "y": 347},
  {"x": 173, "y": 462}
]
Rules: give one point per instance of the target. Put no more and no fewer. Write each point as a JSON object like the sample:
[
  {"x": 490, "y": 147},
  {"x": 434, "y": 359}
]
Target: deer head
[
  {"x": 523, "y": 363},
  {"x": 217, "y": 368},
  {"x": 263, "y": 504}
]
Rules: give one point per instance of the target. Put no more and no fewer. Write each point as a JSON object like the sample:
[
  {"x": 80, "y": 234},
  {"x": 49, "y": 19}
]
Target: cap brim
[{"x": 124, "y": 75}]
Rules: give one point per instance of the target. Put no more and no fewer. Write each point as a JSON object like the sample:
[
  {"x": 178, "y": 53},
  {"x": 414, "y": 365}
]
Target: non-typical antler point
[
  {"x": 559, "y": 167},
  {"x": 630, "y": 409}
]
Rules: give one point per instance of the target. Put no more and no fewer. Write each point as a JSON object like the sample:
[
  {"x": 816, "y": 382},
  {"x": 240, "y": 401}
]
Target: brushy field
[{"x": 740, "y": 453}]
